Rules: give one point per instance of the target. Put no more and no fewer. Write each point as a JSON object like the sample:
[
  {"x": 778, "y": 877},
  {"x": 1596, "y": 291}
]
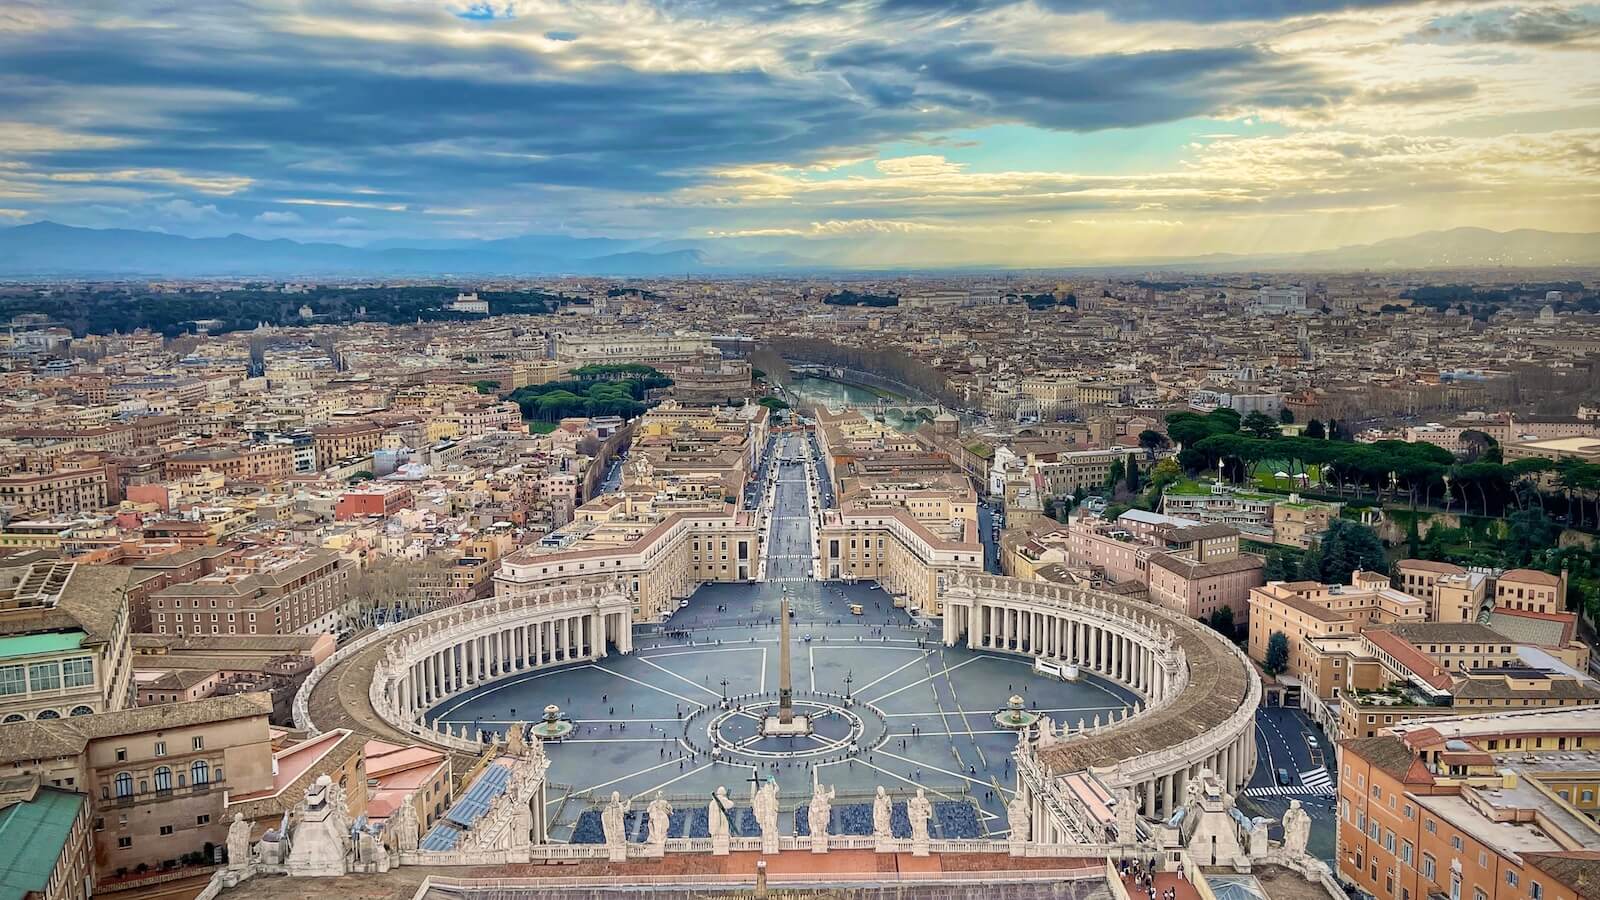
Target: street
[{"x": 1287, "y": 739}]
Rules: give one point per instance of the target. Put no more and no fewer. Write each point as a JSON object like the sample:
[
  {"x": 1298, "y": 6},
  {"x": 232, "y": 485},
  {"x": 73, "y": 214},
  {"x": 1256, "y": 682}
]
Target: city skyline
[{"x": 909, "y": 132}]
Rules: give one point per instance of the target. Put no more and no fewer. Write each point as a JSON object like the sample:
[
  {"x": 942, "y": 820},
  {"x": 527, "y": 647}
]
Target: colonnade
[
  {"x": 1145, "y": 648},
  {"x": 507, "y": 648},
  {"x": 1102, "y": 646}
]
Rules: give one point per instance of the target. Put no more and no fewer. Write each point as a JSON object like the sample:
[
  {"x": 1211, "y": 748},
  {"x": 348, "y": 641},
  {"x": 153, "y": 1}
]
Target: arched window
[
  {"x": 14, "y": 717},
  {"x": 82, "y": 711},
  {"x": 163, "y": 779},
  {"x": 124, "y": 784},
  {"x": 48, "y": 714},
  {"x": 199, "y": 773}
]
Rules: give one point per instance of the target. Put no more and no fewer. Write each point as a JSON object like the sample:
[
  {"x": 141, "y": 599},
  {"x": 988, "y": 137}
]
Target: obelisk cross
[{"x": 785, "y": 689}]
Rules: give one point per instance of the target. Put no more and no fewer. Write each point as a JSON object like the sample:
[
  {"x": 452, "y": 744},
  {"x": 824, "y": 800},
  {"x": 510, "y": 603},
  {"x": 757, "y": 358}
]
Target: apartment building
[
  {"x": 279, "y": 590},
  {"x": 64, "y": 641},
  {"x": 1491, "y": 807},
  {"x": 59, "y": 493},
  {"x": 336, "y": 443}
]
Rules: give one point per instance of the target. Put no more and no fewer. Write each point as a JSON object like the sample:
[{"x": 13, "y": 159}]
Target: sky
[{"x": 1037, "y": 132}]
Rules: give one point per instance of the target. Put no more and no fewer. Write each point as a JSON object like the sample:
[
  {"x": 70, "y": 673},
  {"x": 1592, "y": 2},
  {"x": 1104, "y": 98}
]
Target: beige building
[
  {"x": 56, "y": 493},
  {"x": 910, "y": 535},
  {"x": 1307, "y": 610},
  {"x": 156, "y": 777},
  {"x": 661, "y": 552}
]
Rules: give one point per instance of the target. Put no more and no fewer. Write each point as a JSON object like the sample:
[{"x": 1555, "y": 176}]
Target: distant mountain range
[{"x": 50, "y": 249}]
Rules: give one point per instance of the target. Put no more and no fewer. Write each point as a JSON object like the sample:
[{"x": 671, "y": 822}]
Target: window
[
  {"x": 199, "y": 773},
  {"x": 1431, "y": 826},
  {"x": 199, "y": 743},
  {"x": 44, "y": 676},
  {"x": 1406, "y": 852},
  {"x": 202, "y": 820},
  {"x": 163, "y": 779},
  {"x": 1455, "y": 842},
  {"x": 1536, "y": 890},
  {"x": 1428, "y": 870},
  {"x": 166, "y": 829},
  {"x": 161, "y": 748},
  {"x": 1511, "y": 877},
  {"x": 124, "y": 843},
  {"x": 82, "y": 711},
  {"x": 78, "y": 672},
  {"x": 12, "y": 680},
  {"x": 124, "y": 784}
]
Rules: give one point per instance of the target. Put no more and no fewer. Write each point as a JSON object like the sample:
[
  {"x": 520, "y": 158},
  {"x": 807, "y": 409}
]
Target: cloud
[
  {"x": 917, "y": 165},
  {"x": 1086, "y": 93},
  {"x": 1539, "y": 26},
  {"x": 1420, "y": 92},
  {"x": 349, "y": 222},
  {"x": 12, "y": 213},
  {"x": 484, "y": 11},
  {"x": 273, "y": 217},
  {"x": 187, "y": 211},
  {"x": 789, "y": 117}
]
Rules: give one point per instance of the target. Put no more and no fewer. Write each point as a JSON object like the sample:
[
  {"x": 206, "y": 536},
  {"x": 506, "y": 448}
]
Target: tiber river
[{"x": 827, "y": 392}]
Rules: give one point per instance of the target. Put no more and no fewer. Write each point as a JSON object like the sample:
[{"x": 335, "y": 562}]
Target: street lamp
[
  {"x": 849, "y": 676},
  {"x": 724, "y": 689}
]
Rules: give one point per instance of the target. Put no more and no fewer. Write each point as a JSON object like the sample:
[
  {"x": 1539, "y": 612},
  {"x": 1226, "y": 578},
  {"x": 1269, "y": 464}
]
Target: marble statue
[
  {"x": 660, "y": 817},
  {"x": 882, "y": 810},
  {"x": 1127, "y": 817},
  {"x": 1017, "y": 818},
  {"x": 764, "y": 803},
  {"x": 515, "y": 745},
  {"x": 820, "y": 811},
  {"x": 238, "y": 842},
  {"x": 1259, "y": 842},
  {"x": 611, "y": 822},
  {"x": 403, "y": 826},
  {"x": 1296, "y": 828},
  {"x": 919, "y": 811},
  {"x": 717, "y": 813}
]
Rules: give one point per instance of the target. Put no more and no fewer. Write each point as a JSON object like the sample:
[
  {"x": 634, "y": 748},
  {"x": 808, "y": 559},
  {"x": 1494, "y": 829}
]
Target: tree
[
  {"x": 1277, "y": 661},
  {"x": 1259, "y": 424},
  {"x": 1280, "y": 566},
  {"x": 1221, "y": 621},
  {"x": 1345, "y": 547},
  {"x": 1152, "y": 440},
  {"x": 1285, "y": 415},
  {"x": 1118, "y": 470},
  {"x": 1314, "y": 429},
  {"x": 1133, "y": 477}
]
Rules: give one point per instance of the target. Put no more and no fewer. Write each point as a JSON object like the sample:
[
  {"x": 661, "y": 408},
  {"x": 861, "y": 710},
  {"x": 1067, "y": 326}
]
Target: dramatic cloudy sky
[{"x": 1029, "y": 132}]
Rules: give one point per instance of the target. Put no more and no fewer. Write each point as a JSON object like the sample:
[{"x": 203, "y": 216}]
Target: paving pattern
[{"x": 937, "y": 703}]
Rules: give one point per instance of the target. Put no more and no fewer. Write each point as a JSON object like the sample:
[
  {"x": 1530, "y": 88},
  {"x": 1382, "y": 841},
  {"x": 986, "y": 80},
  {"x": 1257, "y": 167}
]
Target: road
[
  {"x": 1287, "y": 739},
  {"x": 991, "y": 539}
]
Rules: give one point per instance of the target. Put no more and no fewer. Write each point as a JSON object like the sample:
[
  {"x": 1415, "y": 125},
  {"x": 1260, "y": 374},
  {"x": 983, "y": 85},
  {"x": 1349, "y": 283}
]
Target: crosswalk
[
  {"x": 1290, "y": 791},
  {"x": 1315, "y": 781}
]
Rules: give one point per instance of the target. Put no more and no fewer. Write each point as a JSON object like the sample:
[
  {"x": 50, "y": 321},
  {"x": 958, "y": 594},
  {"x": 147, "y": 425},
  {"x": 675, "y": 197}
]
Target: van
[{"x": 855, "y": 609}]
